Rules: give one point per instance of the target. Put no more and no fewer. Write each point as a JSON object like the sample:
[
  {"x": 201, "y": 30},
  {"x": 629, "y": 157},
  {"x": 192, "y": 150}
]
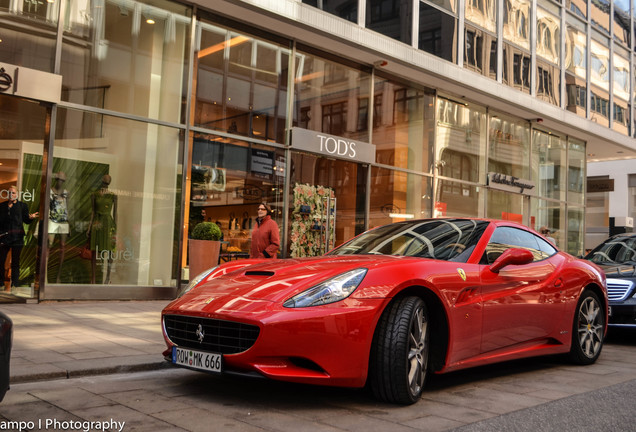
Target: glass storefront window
[
  {"x": 549, "y": 164},
  {"x": 321, "y": 189},
  {"x": 122, "y": 199},
  {"x": 549, "y": 33},
  {"x": 621, "y": 22},
  {"x": 576, "y": 231},
  {"x": 596, "y": 215},
  {"x": 392, "y": 18},
  {"x": 456, "y": 199},
  {"x": 29, "y": 31},
  {"x": 576, "y": 171},
  {"x": 482, "y": 13},
  {"x": 397, "y": 196},
  {"x": 229, "y": 178},
  {"x": 550, "y": 214},
  {"x": 461, "y": 141},
  {"x": 241, "y": 84},
  {"x": 509, "y": 146},
  {"x": 127, "y": 57},
  {"x": 516, "y": 68},
  {"x": 326, "y": 93},
  {"x": 480, "y": 51},
  {"x": 438, "y": 33},
  {"x": 516, "y": 23},
  {"x": 346, "y": 9},
  {"x": 505, "y": 206},
  {"x": 22, "y": 141},
  {"x": 402, "y": 126}
]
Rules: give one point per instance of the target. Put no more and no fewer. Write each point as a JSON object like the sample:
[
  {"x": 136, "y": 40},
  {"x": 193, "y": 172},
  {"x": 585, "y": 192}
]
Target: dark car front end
[{"x": 617, "y": 257}]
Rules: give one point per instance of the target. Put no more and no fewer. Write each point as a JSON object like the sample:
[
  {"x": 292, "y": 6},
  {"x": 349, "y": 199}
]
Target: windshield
[
  {"x": 620, "y": 250},
  {"x": 443, "y": 239}
]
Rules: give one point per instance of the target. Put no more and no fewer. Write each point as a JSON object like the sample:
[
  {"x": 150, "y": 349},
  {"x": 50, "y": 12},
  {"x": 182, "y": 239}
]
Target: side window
[{"x": 508, "y": 237}]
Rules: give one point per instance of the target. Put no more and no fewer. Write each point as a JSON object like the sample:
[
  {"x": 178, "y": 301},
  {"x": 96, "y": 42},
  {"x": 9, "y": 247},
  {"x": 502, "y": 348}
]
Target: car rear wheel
[
  {"x": 399, "y": 358},
  {"x": 588, "y": 329}
]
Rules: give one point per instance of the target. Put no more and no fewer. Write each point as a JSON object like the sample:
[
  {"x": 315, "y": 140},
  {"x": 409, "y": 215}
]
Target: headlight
[
  {"x": 194, "y": 282},
  {"x": 330, "y": 291}
]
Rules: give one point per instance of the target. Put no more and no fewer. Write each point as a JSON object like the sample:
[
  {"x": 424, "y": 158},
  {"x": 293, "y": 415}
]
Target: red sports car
[{"x": 390, "y": 306}]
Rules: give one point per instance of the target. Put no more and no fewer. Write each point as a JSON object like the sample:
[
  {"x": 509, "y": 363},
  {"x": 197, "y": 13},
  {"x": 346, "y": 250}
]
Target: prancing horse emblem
[
  {"x": 200, "y": 333},
  {"x": 462, "y": 273}
]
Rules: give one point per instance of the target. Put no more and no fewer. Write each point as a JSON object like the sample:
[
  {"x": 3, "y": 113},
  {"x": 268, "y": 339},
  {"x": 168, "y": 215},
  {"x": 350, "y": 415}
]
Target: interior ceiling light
[{"x": 150, "y": 21}]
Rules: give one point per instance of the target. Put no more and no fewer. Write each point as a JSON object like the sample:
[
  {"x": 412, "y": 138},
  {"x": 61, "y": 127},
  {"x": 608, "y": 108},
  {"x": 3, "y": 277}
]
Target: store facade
[{"x": 167, "y": 115}]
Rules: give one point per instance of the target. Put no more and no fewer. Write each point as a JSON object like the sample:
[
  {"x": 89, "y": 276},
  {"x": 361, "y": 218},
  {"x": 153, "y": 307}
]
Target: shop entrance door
[
  {"x": 22, "y": 136},
  {"x": 327, "y": 204}
]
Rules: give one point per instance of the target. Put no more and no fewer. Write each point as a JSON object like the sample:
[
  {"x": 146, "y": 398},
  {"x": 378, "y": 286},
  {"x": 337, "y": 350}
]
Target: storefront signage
[
  {"x": 30, "y": 83},
  {"x": 26, "y": 196},
  {"x": 600, "y": 185},
  {"x": 332, "y": 146},
  {"x": 249, "y": 193},
  {"x": 262, "y": 163},
  {"x": 511, "y": 184}
]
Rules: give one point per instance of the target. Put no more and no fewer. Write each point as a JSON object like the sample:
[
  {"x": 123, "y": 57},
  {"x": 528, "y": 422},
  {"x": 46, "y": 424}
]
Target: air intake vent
[
  {"x": 226, "y": 337},
  {"x": 259, "y": 273},
  {"x": 618, "y": 289}
]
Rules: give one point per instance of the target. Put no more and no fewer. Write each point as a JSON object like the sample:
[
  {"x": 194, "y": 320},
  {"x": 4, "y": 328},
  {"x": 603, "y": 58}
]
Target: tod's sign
[{"x": 332, "y": 146}]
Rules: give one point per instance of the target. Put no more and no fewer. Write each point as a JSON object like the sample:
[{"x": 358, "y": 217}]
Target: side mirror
[{"x": 515, "y": 256}]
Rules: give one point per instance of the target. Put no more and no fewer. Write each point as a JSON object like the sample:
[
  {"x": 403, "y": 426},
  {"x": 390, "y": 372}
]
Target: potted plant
[{"x": 204, "y": 247}]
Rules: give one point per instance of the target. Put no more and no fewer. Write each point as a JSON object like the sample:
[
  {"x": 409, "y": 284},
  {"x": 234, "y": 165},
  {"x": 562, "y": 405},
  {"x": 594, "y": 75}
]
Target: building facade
[{"x": 126, "y": 123}]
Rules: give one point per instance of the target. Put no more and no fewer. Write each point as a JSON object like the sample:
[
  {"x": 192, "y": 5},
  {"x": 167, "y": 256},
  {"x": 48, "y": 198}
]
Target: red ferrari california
[{"x": 390, "y": 306}]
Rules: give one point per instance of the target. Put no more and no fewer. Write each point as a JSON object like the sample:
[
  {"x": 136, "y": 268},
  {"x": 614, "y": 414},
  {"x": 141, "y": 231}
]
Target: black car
[
  {"x": 617, "y": 257},
  {"x": 6, "y": 336}
]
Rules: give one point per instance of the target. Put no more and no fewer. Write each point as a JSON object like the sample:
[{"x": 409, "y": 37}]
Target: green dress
[{"x": 103, "y": 228}]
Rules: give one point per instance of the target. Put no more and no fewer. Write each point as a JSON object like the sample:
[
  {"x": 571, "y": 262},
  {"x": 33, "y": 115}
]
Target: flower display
[{"x": 309, "y": 220}]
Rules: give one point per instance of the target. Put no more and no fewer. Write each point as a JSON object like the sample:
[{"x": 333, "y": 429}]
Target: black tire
[
  {"x": 587, "y": 329},
  {"x": 400, "y": 352}
]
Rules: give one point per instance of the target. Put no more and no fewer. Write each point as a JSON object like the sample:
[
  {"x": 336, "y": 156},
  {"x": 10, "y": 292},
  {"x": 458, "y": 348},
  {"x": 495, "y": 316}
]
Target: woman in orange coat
[{"x": 265, "y": 235}]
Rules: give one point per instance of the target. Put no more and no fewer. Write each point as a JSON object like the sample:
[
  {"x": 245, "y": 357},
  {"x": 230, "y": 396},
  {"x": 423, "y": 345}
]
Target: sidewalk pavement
[{"x": 54, "y": 340}]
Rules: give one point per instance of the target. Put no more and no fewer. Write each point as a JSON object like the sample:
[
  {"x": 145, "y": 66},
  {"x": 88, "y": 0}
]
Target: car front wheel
[
  {"x": 588, "y": 329},
  {"x": 399, "y": 358}
]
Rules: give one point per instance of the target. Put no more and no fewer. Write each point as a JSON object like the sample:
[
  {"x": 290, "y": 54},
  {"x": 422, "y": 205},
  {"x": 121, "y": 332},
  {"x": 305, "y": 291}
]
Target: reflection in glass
[
  {"x": 599, "y": 106},
  {"x": 28, "y": 34},
  {"x": 438, "y": 33},
  {"x": 347, "y": 9},
  {"x": 548, "y": 36},
  {"x": 480, "y": 52},
  {"x": 241, "y": 85},
  {"x": 144, "y": 165},
  {"x": 391, "y": 18},
  {"x": 482, "y": 13},
  {"x": 509, "y": 146},
  {"x": 621, "y": 22},
  {"x": 458, "y": 199},
  {"x": 576, "y": 66},
  {"x": 548, "y": 84},
  {"x": 549, "y": 164},
  {"x": 505, "y": 206},
  {"x": 449, "y": 5},
  {"x": 396, "y": 196},
  {"x": 550, "y": 214},
  {"x": 461, "y": 141},
  {"x": 621, "y": 77},
  {"x": 326, "y": 92},
  {"x": 402, "y": 136},
  {"x": 516, "y": 22},
  {"x": 600, "y": 14},
  {"x": 576, "y": 231},
  {"x": 600, "y": 72},
  {"x": 576, "y": 171},
  {"x": 516, "y": 68},
  {"x": 577, "y": 7},
  {"x": 132, "y": 65}
]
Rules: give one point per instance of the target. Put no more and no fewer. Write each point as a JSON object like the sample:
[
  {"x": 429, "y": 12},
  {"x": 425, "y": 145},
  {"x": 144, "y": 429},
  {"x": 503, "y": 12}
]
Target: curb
[{"x": 67, "y": 374}]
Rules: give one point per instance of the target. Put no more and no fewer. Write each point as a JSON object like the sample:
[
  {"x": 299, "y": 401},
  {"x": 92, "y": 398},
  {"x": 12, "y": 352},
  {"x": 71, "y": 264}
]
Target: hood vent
[{"x": 259, "y": 273}]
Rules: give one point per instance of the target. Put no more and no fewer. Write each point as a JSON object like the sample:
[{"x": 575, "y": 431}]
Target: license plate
[{"x": 206, "y": 361}]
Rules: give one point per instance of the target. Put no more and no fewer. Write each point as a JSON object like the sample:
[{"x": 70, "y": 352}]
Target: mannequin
[
  {"x": 58, "y": 216},
  {"x": 102, "y": 226}
]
